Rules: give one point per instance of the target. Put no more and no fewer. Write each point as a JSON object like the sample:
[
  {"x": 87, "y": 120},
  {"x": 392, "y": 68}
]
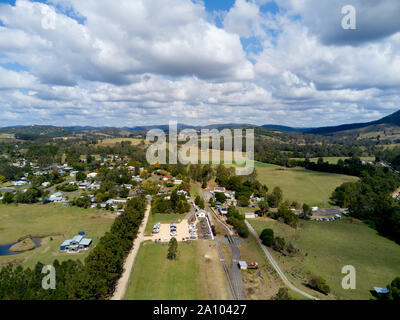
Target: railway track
[
  {"x": 226, "y": 270},
  {"x": 235, "y": 277}
]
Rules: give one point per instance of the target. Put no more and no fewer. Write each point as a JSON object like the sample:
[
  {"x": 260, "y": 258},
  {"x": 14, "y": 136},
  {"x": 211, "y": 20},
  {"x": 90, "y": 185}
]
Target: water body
[{"x": 5, "y": 248}]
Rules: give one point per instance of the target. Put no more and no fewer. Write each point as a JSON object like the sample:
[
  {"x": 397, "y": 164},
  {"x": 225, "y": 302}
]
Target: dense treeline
[
  {"x": 370, "y": 200},
  {"x": 95, "y": 279}
]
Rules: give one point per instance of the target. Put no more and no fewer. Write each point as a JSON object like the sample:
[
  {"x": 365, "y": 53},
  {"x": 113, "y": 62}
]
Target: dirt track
[{"x": 122, "y": 284}]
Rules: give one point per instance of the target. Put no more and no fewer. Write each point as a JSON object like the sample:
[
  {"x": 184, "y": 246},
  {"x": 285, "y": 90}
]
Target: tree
[
  {"x": 267, "y": 237},
  {"x": 172, "y": 249},
  {"x": 283, "y": 294},
  {"x": 220, "y": 197},
  {"x": 279, "y": 244},
  {"x": 8, "y": 198},
  {"x": 80, "y": 176},
  {"x": 243, "y": 201},
  {"x": 319, "y": 284},
  {"x": 307, "y": 212},
  {"x": 199, "y": 202},
  {"x": 275, "y": 198},
  {"x": 264, "y": 207}
]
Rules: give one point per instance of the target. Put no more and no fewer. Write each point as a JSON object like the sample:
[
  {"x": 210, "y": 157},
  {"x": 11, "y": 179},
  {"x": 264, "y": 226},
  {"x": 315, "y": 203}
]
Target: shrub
[{"x": 267, "y": 237}]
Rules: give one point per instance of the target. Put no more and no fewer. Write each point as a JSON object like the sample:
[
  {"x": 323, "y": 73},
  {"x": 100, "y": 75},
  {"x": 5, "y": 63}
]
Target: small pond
[{"x": 5, "y": 248}]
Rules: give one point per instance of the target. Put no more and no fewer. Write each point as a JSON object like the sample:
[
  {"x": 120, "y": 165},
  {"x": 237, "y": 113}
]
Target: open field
[
  {"x": 22, "y": 220},
  {"x": 325, "y": 247},
  {"x": 187, "y": 278},
  {"x": 301, "y": 185},
  {"x": 7, "y": 136},
  {"x": 162, "y": 218},
  {"x": 334, "y": 160},
  {"x": 112, "y": 141}
]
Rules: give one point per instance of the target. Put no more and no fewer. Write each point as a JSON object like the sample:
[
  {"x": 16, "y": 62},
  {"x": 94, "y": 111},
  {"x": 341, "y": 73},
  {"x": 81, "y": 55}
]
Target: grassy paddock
[
  {"x": 112, "y": 141},
  {"x": 155, "y": 277},
  {"x": 301, "y": 185},
  {"x": 22, "y": 220},
  {"x": 327, "y": 247}
]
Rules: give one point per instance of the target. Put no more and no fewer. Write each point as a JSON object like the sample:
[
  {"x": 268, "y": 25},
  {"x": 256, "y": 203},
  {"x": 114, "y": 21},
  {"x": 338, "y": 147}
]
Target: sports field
[
  {"x": 187, "y": 278},
  {"x": 328, "y": 246},
  {"x": 301, "y": 185},
  {"x": 22, "y": 220}
]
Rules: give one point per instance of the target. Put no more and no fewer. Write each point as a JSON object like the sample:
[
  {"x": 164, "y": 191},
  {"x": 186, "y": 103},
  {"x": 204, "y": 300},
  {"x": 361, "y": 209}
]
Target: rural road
[
  {"x": 275, "y": 265},
  {"x": 122, "y": 284}
]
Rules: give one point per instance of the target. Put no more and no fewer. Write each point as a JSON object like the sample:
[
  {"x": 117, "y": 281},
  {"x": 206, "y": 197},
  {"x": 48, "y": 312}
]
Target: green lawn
[
  {"x": 301, "y": 185},
  {"x": 162, "y": 218},
  {"x": 18, "y": 221},
  {"x": 155, "y": 277},
  {"x": 328, "y": 246}
]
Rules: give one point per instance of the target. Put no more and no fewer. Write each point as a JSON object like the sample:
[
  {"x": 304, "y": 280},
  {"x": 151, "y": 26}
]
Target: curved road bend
[
  {"x": 122, "y": 284},
  {"x": 275, "y": 265}
]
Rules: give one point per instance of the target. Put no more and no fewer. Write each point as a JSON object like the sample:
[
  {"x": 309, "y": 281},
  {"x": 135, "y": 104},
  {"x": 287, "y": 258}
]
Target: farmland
[
  {"x": 112, "y": 141},
  {"x": 301, "y": 185},
  {"x": 155, "y": 277},
  {"x": 60, "y": 222},
  {"x": 325, "y": 247}
]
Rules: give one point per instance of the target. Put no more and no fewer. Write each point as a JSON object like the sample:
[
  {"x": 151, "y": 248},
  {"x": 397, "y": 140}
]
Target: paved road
[
  {"x": 276, "y": 267},
  {"x": 122, "y": 284}
]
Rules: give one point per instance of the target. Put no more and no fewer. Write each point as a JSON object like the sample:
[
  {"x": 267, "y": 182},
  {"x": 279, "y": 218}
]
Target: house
[
  {"x": 91, "y": 175},
  {"x": 242, "y": 265},
  {"x": 314, "y": 209},
  {"x": 178, "y": 182},
  {"x": 56, "y": 197},
  {"x": 83, "y": 185},
  {"x": 250, "y": 215},
  {"x": 219, "y": 189},
  {"x": 46, "y": 184},
  {"x": 201, "y": 213},
  {"x": 94, "y": 186},
  {"x": 19, "y": 183},
  {"x": 73, "y": 173},
  {"x": 76, "y": 244}
]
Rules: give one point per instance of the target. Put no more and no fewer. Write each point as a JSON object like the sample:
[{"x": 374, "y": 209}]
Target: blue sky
[{"x": 138, "y": 62}]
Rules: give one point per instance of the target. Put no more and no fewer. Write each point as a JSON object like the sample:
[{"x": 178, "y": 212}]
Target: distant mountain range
[{"x": 392, "y": 120}]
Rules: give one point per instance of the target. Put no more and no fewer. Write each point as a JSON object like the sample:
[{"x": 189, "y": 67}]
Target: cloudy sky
[{"x": 136, "y": 62}]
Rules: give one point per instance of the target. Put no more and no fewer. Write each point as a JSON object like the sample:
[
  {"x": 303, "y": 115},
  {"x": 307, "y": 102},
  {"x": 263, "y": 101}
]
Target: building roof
[
  {"x": 77, "y": 239},
  {"x": 243, "y": 264},
  {"x": 66, "y": 243},
  {"x": 85, "y": 242},
  {"x": 381, "y": 290}
]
